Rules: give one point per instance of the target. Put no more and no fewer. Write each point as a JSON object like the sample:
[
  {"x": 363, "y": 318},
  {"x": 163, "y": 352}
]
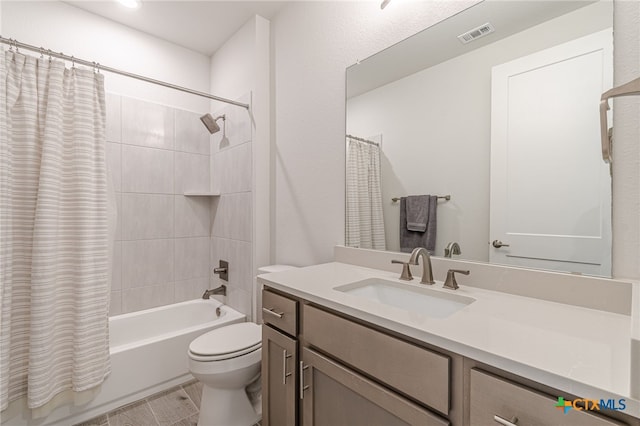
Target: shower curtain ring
[
  {"x": 49, "y": 52},
  {"x": 73, "y": 63},
  {"x": 41, "y": 52}
]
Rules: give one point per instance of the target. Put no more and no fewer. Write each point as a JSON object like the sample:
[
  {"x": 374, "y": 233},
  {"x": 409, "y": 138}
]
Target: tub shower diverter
[{"x": 422, "y": 300}]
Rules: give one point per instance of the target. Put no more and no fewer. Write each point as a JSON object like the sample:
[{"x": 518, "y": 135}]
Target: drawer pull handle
[
  {"x": 285, "y": 355},
  {"x": 505, "y": 422},
  {"x": 302, "y": 386},
  {"x": 272, "y": 312}
]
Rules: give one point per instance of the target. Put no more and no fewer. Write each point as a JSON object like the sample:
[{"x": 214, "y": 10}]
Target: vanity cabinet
[
  {"x": 318, "y": 368},
  {"x": 324, "y": 368},
  {"x": 279, "y": 360}
]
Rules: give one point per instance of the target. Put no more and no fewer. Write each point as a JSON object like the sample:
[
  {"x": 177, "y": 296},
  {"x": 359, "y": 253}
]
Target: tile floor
[{"x": 178, "y": 406}]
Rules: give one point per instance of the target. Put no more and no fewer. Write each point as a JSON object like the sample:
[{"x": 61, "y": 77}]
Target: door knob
[{"x": 498, "y": 244}]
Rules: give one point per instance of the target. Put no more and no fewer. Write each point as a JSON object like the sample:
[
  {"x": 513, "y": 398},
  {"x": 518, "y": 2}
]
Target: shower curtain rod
[
  {"x": 363, "y": 140},
  {"x": 43, "y": 51}
]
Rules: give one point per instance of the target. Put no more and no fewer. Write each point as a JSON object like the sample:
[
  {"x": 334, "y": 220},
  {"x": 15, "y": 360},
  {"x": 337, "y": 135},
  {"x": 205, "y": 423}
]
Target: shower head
[{"x": 210, "y": 122}]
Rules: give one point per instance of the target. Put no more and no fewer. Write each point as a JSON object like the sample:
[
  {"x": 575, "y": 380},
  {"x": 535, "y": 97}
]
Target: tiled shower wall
[
  {"x": 166, "y": 242},
  {"x": 232, "y": 213},
  {"x": 154, "y": 154}
]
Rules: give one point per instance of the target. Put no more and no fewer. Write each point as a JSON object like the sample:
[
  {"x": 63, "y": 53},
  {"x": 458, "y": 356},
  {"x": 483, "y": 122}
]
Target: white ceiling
[{"x": 202, "y": 26}]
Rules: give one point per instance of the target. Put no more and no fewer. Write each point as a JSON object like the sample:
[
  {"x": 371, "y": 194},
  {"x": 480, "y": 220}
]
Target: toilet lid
[{"x": 234, "y": 340}]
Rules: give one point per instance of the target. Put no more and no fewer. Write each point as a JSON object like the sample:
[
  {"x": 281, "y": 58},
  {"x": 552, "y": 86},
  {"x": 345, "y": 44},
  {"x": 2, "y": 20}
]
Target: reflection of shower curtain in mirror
[{"x": 365, "y": 225}]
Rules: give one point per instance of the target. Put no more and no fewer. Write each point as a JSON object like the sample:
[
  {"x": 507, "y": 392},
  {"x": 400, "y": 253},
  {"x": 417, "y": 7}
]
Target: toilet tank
[{"x": 257, "y": 299}]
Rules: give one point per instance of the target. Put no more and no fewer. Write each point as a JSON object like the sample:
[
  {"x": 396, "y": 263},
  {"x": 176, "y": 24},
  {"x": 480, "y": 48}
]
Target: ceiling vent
[{"x": 476, "y": 33}]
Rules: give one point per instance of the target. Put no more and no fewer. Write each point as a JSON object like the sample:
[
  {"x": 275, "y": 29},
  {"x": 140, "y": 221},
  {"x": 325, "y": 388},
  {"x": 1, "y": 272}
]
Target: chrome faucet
[
  {"x": 220, "y": 290},
  {"x": 427, "y": 274},
  {"x": 452, "y": 248}
]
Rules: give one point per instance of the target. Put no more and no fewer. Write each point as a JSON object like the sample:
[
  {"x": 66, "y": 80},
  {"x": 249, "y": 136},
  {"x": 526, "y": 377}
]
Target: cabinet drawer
[
  {"x": 279, "y": 311},
  {"x": 494, "y": 398},
  {"x": 412, "y": 370}
]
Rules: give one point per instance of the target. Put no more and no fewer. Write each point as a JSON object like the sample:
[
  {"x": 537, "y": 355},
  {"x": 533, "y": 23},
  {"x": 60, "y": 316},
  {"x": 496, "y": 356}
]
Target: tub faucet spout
[
  {"x": 427, "y": 273},
  {"x": 220, "y": 290}
]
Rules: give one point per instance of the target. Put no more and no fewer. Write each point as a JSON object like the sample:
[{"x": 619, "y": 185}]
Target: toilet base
[{"x": 226, "y": 407}]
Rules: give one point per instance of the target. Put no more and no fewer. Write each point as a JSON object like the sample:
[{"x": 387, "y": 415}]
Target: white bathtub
[{"x": 148, "y": 354}]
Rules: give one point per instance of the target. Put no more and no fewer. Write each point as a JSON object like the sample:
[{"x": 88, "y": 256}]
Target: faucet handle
[
  {"x": 451, "y": 282},
  {"x": 406, "y": 272}
]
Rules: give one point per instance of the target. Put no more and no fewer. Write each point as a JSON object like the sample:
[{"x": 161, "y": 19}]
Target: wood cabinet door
[
  {"x": 333, "y": 395},
  {"x": 279, "y": 361}
]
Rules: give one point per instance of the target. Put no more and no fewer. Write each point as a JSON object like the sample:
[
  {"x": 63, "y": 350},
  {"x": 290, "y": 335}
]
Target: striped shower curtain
[
  {"x": 53, "y": 232},
  {"x": 364, "y": 224}
]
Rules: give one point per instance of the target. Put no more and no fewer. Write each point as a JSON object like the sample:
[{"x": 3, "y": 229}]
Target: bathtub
[{"x": 149, "y": 354}]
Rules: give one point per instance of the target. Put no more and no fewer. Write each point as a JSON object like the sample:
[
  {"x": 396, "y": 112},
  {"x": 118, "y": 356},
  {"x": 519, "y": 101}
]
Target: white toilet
[{"x": 226, "y": 360}]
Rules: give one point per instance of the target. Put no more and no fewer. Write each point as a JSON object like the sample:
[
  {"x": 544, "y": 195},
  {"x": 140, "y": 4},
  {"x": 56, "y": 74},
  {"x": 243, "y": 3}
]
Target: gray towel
[
  {"x": 417, "y": 212},
  {"x": 412, "y": 239}
]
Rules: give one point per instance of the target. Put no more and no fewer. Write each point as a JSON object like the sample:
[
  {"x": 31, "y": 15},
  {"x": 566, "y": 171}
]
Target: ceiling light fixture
[
  {"x": 131, "y": 4},
  {"x": 384, "y": 3}
]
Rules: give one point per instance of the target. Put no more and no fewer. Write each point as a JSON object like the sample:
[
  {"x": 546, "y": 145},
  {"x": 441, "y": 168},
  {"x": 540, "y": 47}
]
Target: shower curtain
[
  {"x": 53, "y": 233},
  {"x": 365, "y": 225}
]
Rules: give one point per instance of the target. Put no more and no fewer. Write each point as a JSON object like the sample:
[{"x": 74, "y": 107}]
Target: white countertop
[{"x": 581, "y": 351}]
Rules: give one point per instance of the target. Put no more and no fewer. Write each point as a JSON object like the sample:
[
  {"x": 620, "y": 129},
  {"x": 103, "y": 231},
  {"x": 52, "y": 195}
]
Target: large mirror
[{"x": 503, "y": 128}]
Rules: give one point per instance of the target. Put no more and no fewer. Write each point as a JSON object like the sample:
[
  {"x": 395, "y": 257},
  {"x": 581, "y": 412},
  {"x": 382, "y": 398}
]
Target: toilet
[{"x": 226, "y": 360}]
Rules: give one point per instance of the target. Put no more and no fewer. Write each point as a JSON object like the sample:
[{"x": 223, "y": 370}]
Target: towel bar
[{"x": 440, "y": 197}]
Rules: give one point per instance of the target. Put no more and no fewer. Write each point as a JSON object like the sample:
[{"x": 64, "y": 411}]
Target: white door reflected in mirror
[{"x": 550, "y": 190}]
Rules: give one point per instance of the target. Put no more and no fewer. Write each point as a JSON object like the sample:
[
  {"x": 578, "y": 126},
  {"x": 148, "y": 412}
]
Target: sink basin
[{"x": 433, "y": 303}]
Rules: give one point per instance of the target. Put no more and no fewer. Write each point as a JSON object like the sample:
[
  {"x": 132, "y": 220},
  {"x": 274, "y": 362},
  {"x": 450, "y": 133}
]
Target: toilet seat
[{"x": 226, "y": 342}]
